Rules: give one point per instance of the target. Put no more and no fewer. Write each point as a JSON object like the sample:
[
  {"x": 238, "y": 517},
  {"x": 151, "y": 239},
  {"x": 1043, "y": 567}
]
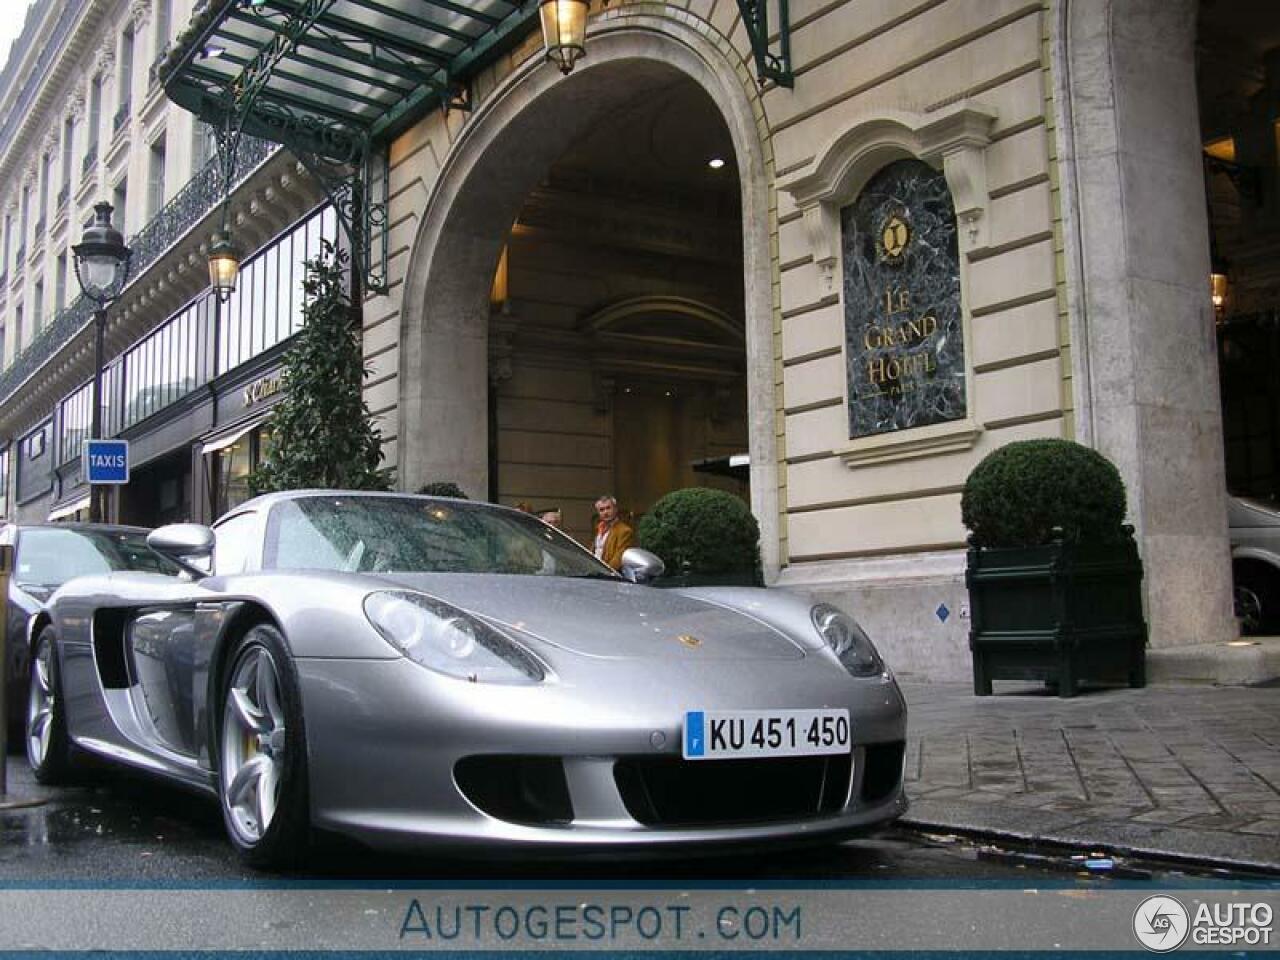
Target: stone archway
[
  {"x": 1137, "y": 263},
  {"x": 497, "y": 159}
]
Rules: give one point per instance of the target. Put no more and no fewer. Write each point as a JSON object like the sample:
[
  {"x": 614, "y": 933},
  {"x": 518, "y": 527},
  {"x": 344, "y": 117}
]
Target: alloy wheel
[
  {"x": 41, "y": 702},
  {"x": 253, "y": 744}
]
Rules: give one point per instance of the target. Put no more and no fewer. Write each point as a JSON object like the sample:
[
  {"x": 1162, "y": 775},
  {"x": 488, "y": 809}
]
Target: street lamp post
[{"x": 102, "y": 269}]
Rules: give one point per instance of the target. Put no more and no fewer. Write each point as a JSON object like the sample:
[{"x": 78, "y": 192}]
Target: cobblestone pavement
[{"x": 1184, "y": 772}]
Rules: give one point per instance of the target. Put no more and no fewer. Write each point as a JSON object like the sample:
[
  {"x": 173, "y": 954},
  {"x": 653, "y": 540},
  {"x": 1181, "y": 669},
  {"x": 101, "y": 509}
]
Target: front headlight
[
  {"x": 443, "y": 638},
  {"x": 847, "y": 640}
]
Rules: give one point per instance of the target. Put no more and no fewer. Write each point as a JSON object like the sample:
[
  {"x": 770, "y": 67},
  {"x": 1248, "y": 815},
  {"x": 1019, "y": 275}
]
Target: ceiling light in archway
[
  {"x": 715, "y": 163},
  {"x": 564, "y": 31}
]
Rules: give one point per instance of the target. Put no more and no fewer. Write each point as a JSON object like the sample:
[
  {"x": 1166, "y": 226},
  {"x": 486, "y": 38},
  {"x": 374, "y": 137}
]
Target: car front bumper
[{"x": 386, "y": 740}]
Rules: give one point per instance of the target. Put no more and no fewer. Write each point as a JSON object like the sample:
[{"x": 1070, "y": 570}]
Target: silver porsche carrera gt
[{"x": 417, "y": 671}]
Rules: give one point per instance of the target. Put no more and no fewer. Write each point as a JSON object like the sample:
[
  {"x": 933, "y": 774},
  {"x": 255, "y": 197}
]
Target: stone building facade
[
  {"x": 574, "y": 304},
  {"x": 1068, "y": 330}
]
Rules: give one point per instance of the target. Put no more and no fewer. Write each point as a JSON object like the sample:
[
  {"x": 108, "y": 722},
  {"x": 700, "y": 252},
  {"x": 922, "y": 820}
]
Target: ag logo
[
  {"x": 689, "y": 640},
  {"x": 895, "y": 234},
  {"x": 1161, "y": 923}
]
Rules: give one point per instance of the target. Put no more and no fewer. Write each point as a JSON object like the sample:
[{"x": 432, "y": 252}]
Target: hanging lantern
[
  {"x": 224, "y": 266},
  {"x": 1218, "y": 288},
  {"x": 564, "y": 31}
]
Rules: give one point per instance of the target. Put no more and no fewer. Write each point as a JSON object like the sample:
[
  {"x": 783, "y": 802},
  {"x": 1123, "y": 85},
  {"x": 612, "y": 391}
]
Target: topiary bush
[
  {"x": 703, "y": 532},
  {"x": 323, "y": 434},
  {"x": 1021, "y": 493}
]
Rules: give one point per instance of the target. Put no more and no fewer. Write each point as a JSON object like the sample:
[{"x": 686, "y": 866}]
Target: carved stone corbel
[
  {"x": 107, "y": 57},
  {"x": 822, "y": 229},
  {"x": 140, "y": 13},
  {"x": 75, "y": 106},
  {"x": 957, "y": 142}
]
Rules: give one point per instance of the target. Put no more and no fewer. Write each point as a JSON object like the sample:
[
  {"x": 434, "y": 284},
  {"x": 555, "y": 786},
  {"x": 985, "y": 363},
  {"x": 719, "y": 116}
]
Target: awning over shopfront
[
  {"x": 68, "y": 509},
  {"x": 224, "y": 440}
]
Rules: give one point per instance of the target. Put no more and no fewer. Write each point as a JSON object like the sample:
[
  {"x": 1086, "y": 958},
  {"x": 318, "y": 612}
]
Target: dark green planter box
[{"x": 1063, "y": 613}]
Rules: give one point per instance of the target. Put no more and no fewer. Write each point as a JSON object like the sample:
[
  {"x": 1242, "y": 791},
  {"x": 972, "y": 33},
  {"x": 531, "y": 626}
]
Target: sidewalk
[{"x": 1179, "y": 772}]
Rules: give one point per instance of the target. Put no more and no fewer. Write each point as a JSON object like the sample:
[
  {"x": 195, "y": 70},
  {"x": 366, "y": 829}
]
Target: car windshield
[
  {"x": 418, "y": 535},
  {"x": 49, "y": 557}
]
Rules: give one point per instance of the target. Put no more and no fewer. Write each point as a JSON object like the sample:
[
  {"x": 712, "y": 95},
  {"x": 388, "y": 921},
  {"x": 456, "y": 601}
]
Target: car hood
[{"x": 608, "y": 619}]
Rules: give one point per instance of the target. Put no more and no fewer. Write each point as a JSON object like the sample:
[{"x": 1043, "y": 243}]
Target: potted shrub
[
  {"x": 1053, "y": 573},
  {"x": 705, "y": 537}
]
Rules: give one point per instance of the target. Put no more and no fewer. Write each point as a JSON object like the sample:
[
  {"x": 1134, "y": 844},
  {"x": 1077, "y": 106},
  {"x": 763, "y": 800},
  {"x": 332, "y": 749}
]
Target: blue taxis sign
[{"x": 106, "y": 461}]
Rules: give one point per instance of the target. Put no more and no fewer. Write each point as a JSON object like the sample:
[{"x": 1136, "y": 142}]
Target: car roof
[
  {"x": 84, "y": 527},
  {"x": 266, "y": 500}
]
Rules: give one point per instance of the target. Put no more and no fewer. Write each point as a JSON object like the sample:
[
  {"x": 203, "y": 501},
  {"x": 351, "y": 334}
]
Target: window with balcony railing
[
  {"x": 121, "y": 119},
  {"x": 266, "y": 306},
  {"x": 40, "y": 231},
  {"x": 63, "y": 196},
  {"x": 201, "y": 194},
  {"x": 163, "y": 367},
  {"x": 74, "y": 422},
  {"x": 153, "y": 73},
  {"x": 21, "y": 258},
  {"x": 90, "y": 160}
]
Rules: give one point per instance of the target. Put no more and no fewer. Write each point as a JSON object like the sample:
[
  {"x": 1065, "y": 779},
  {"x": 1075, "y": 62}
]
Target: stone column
[{"x": 1142, "y": 336}]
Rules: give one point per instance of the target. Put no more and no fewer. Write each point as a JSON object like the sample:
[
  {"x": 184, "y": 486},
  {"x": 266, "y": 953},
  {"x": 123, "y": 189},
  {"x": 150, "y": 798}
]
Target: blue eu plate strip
[{"x": 695, "y": 744}]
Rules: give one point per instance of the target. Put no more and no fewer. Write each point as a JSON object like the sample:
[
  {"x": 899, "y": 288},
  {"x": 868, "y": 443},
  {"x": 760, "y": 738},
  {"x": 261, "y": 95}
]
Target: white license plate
[{"x": 726, "y": 734}]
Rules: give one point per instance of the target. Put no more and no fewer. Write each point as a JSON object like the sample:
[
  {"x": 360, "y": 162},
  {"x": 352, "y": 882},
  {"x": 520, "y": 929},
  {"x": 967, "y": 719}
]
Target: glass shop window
[{"x": 232, "y": 466}]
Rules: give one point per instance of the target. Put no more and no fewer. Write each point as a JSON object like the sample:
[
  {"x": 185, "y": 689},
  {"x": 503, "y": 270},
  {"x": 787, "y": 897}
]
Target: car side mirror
[
  {"x": 183, "y": 543},
  {"x": 641, "y": 566}
]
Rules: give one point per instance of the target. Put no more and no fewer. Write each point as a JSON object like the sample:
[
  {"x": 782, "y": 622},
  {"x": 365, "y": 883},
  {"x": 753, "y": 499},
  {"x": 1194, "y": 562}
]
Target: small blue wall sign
[{"x": 106, "y": 461}]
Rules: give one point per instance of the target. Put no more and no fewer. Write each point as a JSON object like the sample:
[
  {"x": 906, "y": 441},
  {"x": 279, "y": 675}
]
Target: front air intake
[{"x": 529, "y": 790}]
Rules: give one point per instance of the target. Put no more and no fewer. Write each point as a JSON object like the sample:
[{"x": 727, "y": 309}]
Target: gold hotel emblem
[
  {"x": 689, "y": 640},
  {"x": 895, "y": 234}
]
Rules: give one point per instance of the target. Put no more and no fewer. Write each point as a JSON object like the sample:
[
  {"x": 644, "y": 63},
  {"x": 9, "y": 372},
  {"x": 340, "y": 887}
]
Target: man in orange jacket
[{"x": 613, "y": 536}]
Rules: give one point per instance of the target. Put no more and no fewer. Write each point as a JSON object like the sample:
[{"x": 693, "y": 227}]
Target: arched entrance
[{"x": 503, "y": 153}]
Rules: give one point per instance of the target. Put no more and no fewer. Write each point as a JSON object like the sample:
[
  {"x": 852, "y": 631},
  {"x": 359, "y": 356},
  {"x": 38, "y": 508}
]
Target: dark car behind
[{"x": 45, "y": 557}]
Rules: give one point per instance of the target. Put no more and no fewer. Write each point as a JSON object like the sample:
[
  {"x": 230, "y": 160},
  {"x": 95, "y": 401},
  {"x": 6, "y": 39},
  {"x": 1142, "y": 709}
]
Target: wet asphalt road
[{"x": 125, "y": 829}]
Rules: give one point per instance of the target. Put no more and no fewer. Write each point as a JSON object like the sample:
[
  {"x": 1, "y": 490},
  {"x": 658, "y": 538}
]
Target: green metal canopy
[
  {"x": 335, "y": 81},
  {"x": 326, "y": 74}
]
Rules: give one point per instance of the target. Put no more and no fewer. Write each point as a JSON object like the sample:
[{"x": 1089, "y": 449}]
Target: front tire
[
  {"x": 48, "y": 746},
  {"x": 262, "y": 755},
  {"x": 1257, "y": 599}
]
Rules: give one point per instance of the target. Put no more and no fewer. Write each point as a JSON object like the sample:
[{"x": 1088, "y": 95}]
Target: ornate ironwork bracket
[
  {"x": 358, "y": 192},
  {"x": 338, "y": 154},
  {"x": 769, "y": 65}
]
